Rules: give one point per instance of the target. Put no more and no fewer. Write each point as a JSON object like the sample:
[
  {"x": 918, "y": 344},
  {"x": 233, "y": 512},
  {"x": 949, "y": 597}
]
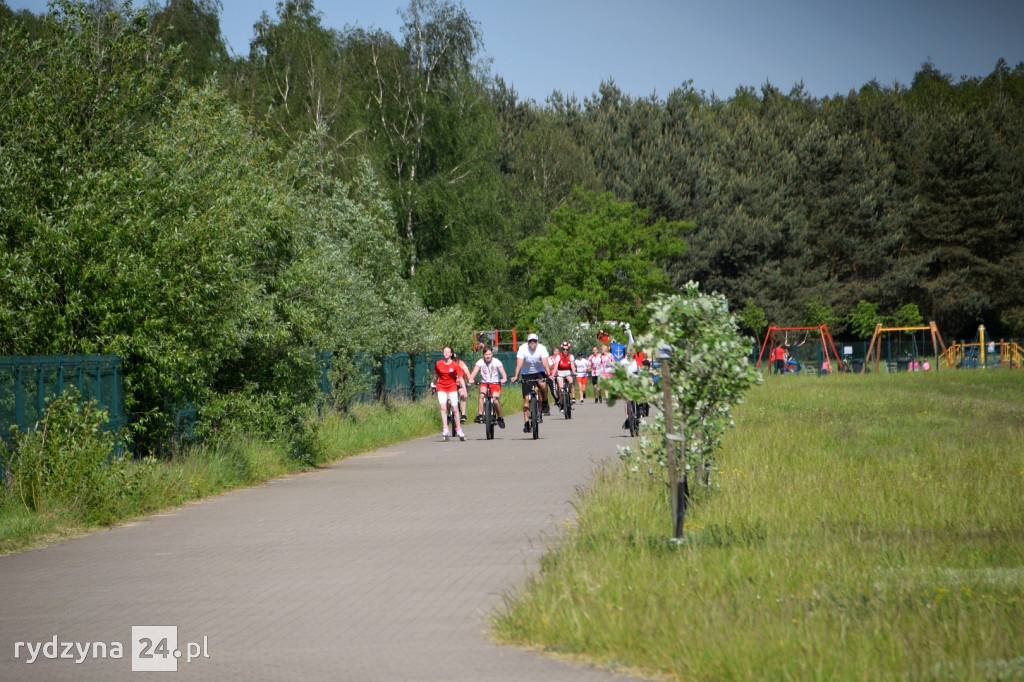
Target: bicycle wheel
[
  {"x": 566, "y": 399},
  {"x": 632, "y": 418},
  {"x": 488, "y": 418},
  {"x": 535, "y": 413}
]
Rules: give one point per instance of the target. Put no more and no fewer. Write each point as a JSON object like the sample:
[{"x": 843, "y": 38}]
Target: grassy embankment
[
  {"x": 203, "y": 471},
  {"x": 866, "y": 528}
]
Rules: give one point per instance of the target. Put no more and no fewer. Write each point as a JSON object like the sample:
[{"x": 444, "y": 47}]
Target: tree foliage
[
  {"x": 709, "y": 374},
  {"x": 157, "y": 226},
  {"x": 601, "y": 252}
]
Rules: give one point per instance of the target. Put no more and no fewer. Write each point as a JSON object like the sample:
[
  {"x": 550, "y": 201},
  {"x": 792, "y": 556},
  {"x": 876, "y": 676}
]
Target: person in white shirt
[
  {"x": 581, "y": 367},
  {"x": 492, "y": 375},
  {"x": 532, "y": 364}
]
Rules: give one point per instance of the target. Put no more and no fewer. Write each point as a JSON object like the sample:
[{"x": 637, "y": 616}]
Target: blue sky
[{"x": 653, "y": 46}]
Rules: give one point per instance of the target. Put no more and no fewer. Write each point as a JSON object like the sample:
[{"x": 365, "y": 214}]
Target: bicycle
[
  {"x": 489, "y": 407},
  {"x": 534, "y": 408},
  {"x": 633, "y": 417},
  {"x": 566, "y": 393}
]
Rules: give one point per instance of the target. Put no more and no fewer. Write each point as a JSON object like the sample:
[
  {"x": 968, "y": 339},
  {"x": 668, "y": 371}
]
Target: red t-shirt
[
  {"x": 780, "y": 353},
  {"x": 564, "y": 360},
  {"x": 446, "y": 375}
]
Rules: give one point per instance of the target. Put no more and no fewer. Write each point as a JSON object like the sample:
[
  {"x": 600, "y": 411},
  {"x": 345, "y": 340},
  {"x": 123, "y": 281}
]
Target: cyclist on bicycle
[
  {"x": 563, "y": 364},
  {"x": 532, "y": 362},
  {"x": 624, "y": 356},
  {"x": 492, "y": 375},
  {"x": 448, "y": 377}
]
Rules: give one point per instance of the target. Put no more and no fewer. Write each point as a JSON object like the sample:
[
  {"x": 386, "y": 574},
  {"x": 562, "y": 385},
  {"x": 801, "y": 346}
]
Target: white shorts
[
  {"x": 565, "y": 372},
  {"x": 452, "y": 397}
]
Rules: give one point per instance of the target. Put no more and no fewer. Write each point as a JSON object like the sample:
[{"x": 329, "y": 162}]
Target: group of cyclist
[{"x": 535, "y": 366}]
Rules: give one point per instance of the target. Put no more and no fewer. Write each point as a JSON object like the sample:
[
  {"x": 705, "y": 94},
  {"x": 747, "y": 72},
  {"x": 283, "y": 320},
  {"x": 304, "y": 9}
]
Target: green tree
[
  {"x": 421, "y": 94},
  {"x": 602, "y": 252},
  {"x": 194, "y": 25},
  {"x": 907, "y": 316},
  {"x": 752, "y": 318},
  {"x": 817, "y": 313},
  {"x": 565, "y": 322},
  {"x": 864, "y": 318},
  {"x": 709, "y": 374}
]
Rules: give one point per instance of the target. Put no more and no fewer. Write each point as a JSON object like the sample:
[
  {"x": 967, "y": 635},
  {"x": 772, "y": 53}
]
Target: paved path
[{"x": 380, "y": 567}]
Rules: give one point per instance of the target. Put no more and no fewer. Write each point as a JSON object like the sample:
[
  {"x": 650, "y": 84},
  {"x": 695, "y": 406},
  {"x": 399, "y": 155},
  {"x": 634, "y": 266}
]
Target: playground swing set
[
  {"x": 981, "y": 353},
  {"x": 830, "y": 358},
  {"x": 909, "y": 359}
]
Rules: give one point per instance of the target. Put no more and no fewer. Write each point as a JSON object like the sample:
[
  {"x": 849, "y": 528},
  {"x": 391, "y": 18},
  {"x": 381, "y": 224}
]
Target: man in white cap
[{"x": 532, "y": 362}]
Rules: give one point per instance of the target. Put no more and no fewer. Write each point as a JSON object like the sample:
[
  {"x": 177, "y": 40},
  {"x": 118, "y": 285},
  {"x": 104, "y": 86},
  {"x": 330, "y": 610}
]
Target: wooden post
[{"x": 676, "y": 488}]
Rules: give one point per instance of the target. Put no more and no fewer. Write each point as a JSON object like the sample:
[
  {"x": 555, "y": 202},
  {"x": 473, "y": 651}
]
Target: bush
[{"x": 67, "y": 461}]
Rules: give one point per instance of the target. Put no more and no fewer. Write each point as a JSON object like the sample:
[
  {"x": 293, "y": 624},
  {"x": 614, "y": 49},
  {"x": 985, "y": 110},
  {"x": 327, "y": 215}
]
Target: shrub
[{"x": 67, "y": 460}]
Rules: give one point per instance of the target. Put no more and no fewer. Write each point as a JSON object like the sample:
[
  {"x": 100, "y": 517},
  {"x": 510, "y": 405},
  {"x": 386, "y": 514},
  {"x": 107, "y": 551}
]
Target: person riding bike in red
[{"x": 563, "y": 364}]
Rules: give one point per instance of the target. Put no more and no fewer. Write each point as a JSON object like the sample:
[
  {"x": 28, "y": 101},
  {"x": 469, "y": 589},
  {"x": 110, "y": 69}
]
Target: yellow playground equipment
[
  {"x": 875, "y": 347},
  {"x": 982, "y": 353}
]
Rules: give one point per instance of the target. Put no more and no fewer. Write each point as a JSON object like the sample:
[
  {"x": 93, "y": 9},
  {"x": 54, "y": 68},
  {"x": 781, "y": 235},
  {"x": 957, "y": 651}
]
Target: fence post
[{"x": 676, "y": 486}]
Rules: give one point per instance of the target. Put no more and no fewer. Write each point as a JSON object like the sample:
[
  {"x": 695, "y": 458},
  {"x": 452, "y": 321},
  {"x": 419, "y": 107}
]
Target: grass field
[{"x": 865, "y": 528}]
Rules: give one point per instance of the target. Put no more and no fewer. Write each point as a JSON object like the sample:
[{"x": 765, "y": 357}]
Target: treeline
[
  {"x": 216, "y": 218},
  {"x": 804, "y": 207}
]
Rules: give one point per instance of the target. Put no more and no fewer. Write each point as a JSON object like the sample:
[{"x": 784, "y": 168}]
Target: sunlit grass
[{"x": 866, "y": 528}]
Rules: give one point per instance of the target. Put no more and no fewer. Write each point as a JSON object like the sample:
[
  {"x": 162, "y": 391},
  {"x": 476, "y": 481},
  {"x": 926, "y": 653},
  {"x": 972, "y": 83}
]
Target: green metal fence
[
  {"x": 26, "y": 381},
  {"x": 405, "y": 376}
]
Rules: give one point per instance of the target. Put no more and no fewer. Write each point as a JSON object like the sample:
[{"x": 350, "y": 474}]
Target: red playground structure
[{"x": 831, "y": 360}]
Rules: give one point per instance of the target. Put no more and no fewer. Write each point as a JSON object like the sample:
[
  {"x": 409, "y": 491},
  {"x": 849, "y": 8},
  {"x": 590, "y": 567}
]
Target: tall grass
[
  {"x": 144, "y": 486},
  {"x": 866, "y": 528}
]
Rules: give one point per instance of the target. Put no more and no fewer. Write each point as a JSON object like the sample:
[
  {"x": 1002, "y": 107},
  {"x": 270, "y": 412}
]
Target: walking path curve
[{"x": 379, "y": 567}]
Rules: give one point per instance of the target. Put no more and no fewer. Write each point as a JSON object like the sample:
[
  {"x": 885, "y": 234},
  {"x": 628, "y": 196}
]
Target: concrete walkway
[{"x": 380, "y": 567}]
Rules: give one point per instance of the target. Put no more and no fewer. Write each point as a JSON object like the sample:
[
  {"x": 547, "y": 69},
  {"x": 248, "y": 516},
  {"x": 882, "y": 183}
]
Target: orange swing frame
[
  {"x": 875, "y": 348},
  {"x": 826, "y": 343}
]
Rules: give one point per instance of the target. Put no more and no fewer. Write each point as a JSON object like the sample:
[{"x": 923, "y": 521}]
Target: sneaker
[
  {"x": 462, "y": 419},
  {"x": 445, "y": 435},
  {"x": 479, "y": 419},
  {"x": 625, "y": 424},
  {"x": 547, "y": 410},
  {"x": 526, "y": 427},
  {"x": 501, "y": 422},
  {"x": 461, "y": 435}
]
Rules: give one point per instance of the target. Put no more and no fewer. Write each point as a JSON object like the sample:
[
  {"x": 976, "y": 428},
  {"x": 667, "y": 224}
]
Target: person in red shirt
[
  {"x": 779, "y": 354},
  {"x": 448, "y": 378},
  {"x": 563, "y": 365}
]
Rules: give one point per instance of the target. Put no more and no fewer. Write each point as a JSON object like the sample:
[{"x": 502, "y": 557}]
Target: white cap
[{"x": 532, "y": 337}]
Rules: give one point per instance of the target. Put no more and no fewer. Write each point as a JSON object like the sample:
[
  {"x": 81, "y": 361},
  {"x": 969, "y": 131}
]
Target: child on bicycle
[{"x": 492, "y": 376}]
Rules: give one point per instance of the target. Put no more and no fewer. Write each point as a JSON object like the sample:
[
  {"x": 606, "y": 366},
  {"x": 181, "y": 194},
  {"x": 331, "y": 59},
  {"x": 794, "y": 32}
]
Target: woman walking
[
  {"x": 448, "y": 377},
  {"x": 595, "y": 372}
]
